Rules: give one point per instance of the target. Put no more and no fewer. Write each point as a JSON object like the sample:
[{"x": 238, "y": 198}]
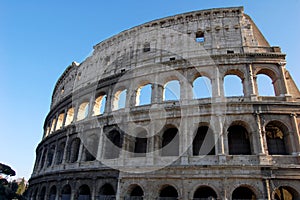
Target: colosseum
[{"x": 173, "y": 109}]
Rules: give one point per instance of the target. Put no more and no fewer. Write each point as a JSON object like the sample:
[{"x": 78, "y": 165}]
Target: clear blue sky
[{"x": 39, "y": 39}]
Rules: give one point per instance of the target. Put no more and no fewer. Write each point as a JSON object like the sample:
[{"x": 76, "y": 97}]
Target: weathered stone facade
[{"x": 102, "y": 140}]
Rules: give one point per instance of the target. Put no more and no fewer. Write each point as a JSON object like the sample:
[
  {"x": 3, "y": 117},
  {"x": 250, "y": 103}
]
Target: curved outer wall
[{"x": 74, "y": 160}]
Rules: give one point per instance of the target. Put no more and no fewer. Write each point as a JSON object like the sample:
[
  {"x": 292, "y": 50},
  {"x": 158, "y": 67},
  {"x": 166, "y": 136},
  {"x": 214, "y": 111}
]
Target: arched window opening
[
  {"x": 276, "y": 138},
  {"x": 66, "y": 193},
  {"x": 233, "y": 86},
  {"x": 243, "y": 193},
  {"x": 74, "y": 150},
  {"x": 238, "y": 140},
  {"x": 60, "y": 121},
  {"x": 50, "y": 156},
  {"x": 113, "y": 144},
  {"x": 264, "y": 85},
  {"x": 47, "y": 131},
  {"x": 137, "y": 192},
  {"x": 43, "y": 158},
  {"x": 91, "y": 148},
  {"x": 83, "y": 111},
  {"x": 99, "y": 105},
  {"x": 170, "y": 142},
  {"x": 52, "y": 194},
  {"x": 70, "y": 116},
  {"x": 171, "y": 91},
  {"x": 43, "y": 194},
  {"x": 107, "y": 192},
  {"x": 53, "y": 125},
  {"x": 119, "y": 99},
  {"x": 60, "y": 153},
  {"x": 143, "y": 95},
  {"x": 205, "y": 192},
  {"x": 204, "y": 142},
  {"x": 169, "y": 192},
  {"x": 34, "y": 195},
  {"x": 202, "y": 88},
  {"x": 285, "y": 193},
  {"x": 140, "y": 146},
  {"x": 84, "y": 193}
]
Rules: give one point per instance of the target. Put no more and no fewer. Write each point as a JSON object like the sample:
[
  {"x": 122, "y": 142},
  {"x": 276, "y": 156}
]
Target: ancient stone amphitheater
[{"x": 173, "y": 109}]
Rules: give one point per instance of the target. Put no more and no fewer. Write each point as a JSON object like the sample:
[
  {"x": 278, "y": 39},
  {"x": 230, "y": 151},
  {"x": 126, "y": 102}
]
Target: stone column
[
  {"x": 81, "y": 149},
  {"x": 100, "y": 150},
  {"x": 284, "y": 87},
  {"x": 251, "y": 83},
  {"x": 260, "y": 133},
  {"x": 295, "y": 135},
  {"x": 109, "y": 99}
]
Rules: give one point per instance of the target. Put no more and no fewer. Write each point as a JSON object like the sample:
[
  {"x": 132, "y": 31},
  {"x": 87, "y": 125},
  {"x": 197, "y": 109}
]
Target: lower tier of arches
[{"x": 172, "y": 183}]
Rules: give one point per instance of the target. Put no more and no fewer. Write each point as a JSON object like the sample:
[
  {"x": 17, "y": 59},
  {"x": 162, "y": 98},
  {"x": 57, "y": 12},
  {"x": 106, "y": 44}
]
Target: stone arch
[
  {"x": 35, "y": 194},
  {"x": 140, "y": 142},
  {"x": 42, "y": 195},
  {"x": 202, "y": 87},
  {"x": 107, "y": 191},
  {"x": 83, "y": 111},
  {"x": 244, "y": 192},
  {"x": 60, "y": 153},
  {"x": 74, "y": 150},
  {"x": 135, "y": 191},
  {"x": 169, "y": 191},
  {"x": 113, "y": 144},
  {"x": 238, "y": 139},
  {"x": 53, "y": 193},
  {"x": 233, "y": 83},
  {"x": 99, "y": 104},
  {"x": 53, "y": 125},
  {"x": 43, "y": 159},
  {"x": 143, "y": 94},
  {"x": 205, "y": 192},
  {"x": 171, "y": 90},
  {"x": 66, "y": 192},
  {"x": 277, "y": 138},
  {"x": 272, "y": 75},
  {"x": 60, "y": 120},
  {"x": 91, "y": 143},
  {"x": 285, "y": 192},
  {"x": 84, "y": 192},
  {"x": 50, "y": 155},
  {"x": 170, "y": 141},
  {"x": 119, "y": 99},
  {"x": 70, "y": 116},
  {"x": 203, "y": 141}
]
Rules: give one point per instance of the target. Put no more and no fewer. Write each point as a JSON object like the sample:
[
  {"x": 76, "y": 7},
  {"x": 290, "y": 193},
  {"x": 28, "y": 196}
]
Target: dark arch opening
[
  {"x": 137, "y": 192},
  {"x": 113, "y": 144},
  {"x": 43, "y": 194},
  {"x": 205, "y": 192},
  {"x": 60, "y": 153},
  {"x": 53, "y": 191},
  {"x": 204, "y": 142},
  {"x": 285, "y": 193},
  {"x": 276, "y": 138},
  {"x": 66, "y": 193},
  {"x": 238, "y": 140},
  {"x": 140, "y": 144},
  {"x": 84, "y": 193},
  {"x": 243, "y": 193},
  {"x": 170, "y": 192},
  {"x": 74, "y": 150},
  {"x": 107, "y": 192},
  {"x": 50, "y": 155},
  {"x": 170, "y": 142}
]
